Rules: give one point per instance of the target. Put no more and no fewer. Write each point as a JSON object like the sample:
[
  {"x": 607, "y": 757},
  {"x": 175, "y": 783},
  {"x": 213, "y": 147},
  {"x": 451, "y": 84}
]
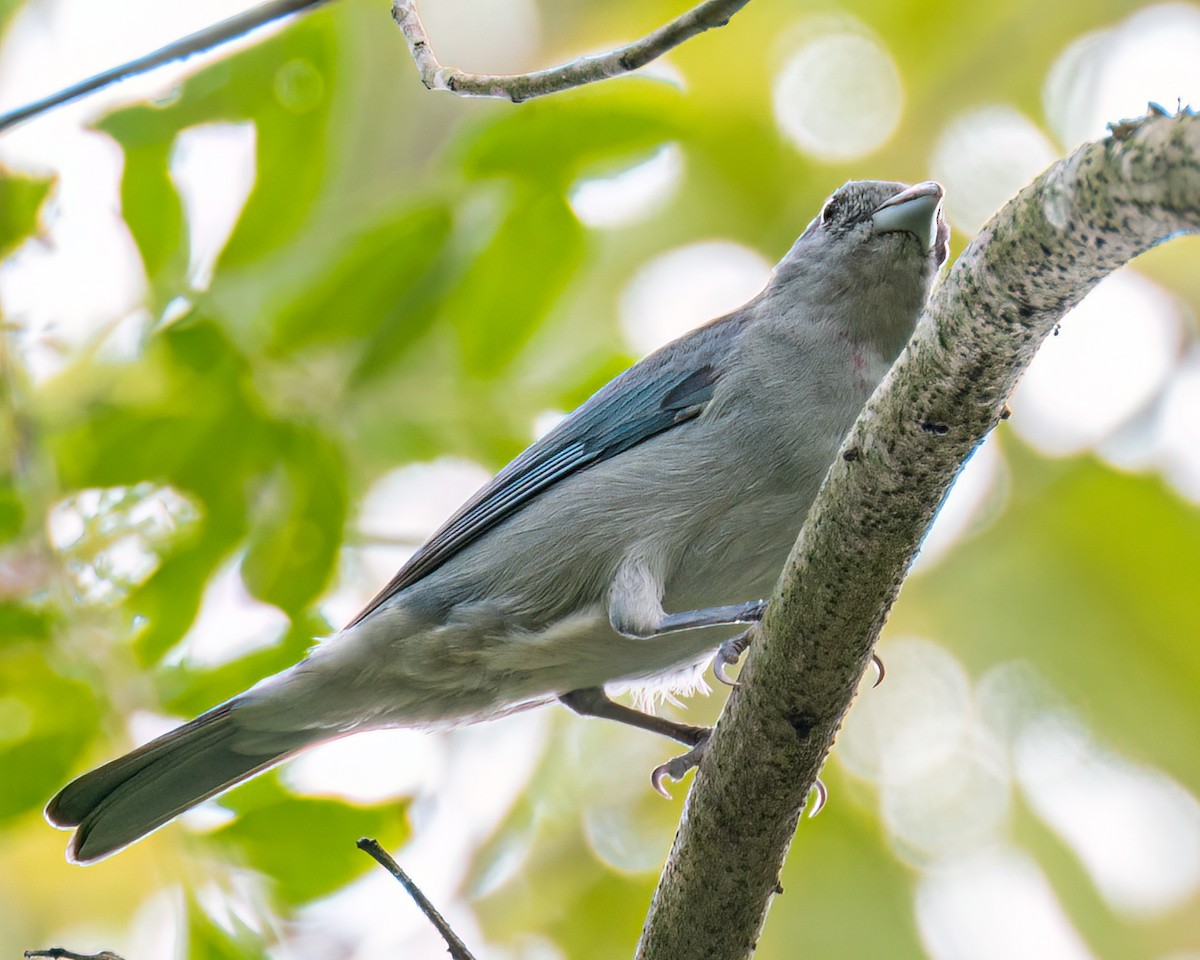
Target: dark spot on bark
[
  {"x": 851, "y": 455},
  {"x": 803, "y": 723},
  {"x": 938, "y": 429},
  {"x": 778, "y": 889},
  {"x": 1006, "y": 412}
]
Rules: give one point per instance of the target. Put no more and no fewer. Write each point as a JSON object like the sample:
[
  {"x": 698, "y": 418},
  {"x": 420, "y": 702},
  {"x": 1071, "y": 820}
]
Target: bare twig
[
  {"x": 458, "y": 949},
  {"x": 525, "y": 86},
  {"x": 1037, "y": 258},
  {"x": 58, "y": 953},
  {"x": 709, "y": 14},
  {"x": 198, "y": 42}
]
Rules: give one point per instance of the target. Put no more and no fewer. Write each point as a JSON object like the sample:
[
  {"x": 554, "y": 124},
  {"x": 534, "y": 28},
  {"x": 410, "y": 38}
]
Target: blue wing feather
[{"x": 641, "y": 403}]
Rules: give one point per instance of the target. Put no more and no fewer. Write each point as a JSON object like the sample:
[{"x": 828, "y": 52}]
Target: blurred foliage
[
  {"x": 20, "y": 200},
  {"x": 407, "y": 281},
  {"x": 1115, "y": 574},
  {"x": 283, "y": 835}
]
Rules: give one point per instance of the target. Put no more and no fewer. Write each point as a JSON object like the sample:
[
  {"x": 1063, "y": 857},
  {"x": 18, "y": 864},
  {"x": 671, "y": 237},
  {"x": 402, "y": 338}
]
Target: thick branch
[
  {"x": 198, "y": 42},
  {"x": 1080, "y": 220},
  {"x": 525, "y": 86}
]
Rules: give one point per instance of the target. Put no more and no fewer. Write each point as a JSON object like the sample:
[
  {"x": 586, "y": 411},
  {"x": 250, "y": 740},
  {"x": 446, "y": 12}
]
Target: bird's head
[{"x": 869, "y": 258}]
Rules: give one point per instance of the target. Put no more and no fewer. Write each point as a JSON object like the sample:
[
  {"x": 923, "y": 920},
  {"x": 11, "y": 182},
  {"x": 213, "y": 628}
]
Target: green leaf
[
  {"x": 7, "y": 9},
  {"x": 12, "y": 511},
  {"x": 167, "y": 603},
  {"x": 21, "y": 200},
  {"x": 21, "y": 622},
  {"x": 209, "y": 940},
  {"x": 185, "y": 415},
  {"x": 606, "y": 917},
  {"x": 46, "y": 721},
  {"x": 373, "y": 292},
  {"x": 283, "y": 86},
  {"x": 552, "y": 141},
  {"x": 299, "y": 521},
  {"x": 287, "y": 85},
  {"x": 307, "y": 844},
  {"x": 188, "y": 690},
  {"x": 507, "y": 292},
  {"x": 153, "y": 208}
]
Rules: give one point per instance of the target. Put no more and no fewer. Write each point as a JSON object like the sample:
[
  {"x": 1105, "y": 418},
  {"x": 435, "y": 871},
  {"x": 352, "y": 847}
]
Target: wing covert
[{"x": 644, "y": 401}]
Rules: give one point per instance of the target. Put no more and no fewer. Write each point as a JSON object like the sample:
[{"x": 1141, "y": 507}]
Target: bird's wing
[{"x": 663, "y": 391}]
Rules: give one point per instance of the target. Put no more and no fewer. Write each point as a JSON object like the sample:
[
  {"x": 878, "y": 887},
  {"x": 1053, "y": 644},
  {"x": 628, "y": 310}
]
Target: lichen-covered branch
[
  {"x": 1079, "y": 221},
  {"x": 525, "y": 86}
]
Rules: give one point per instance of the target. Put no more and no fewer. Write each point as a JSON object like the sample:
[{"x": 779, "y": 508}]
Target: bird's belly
[{"x": 738, "y": 556}]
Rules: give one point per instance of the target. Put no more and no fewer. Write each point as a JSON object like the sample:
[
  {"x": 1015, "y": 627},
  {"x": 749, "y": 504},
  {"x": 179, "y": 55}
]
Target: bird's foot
[
  {"x": 728, "y": 654},
  {"x": 677, "y": 767}
]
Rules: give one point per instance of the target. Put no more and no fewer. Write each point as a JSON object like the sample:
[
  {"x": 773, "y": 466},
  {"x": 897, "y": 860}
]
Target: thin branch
[
  {"x": 58, "y": 953},
  {"x": 198, "y": 42},
  {"x": 1037, "y": 258},
  {"x": 458, "y": 949},
  {"x": 525, "y": 86}
]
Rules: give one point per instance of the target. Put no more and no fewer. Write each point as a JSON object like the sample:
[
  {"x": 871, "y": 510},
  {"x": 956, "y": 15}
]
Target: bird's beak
[{"x": 914, "y": 210}]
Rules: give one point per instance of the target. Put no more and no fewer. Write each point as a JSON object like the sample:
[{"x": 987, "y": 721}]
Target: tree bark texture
[{"x": 1037, "y": 258}]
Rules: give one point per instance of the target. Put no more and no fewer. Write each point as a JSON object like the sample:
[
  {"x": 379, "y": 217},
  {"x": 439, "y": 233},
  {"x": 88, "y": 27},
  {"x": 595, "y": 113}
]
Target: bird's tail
[{"x": 127, "y": 798}]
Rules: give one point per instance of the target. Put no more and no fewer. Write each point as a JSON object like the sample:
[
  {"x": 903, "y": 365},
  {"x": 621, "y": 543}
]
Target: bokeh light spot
[
  {"x": 214, "y": 167},
  {"x": 1109, "y": 75},
  {"x": 977, "y": 495},
  {"x": 630, "y": 195},
  {"x": 409, "y": 503},
  {"x": 839, "y": 95},
  {"x": 1136, "y": 831},
  {"x": 1112, "y": 357},
  {"x": 994, "y": 905},
  {"x": 686, "y": 287},
  {"x": 299, "y": 86},
  {"x": 985, "y": 156}
]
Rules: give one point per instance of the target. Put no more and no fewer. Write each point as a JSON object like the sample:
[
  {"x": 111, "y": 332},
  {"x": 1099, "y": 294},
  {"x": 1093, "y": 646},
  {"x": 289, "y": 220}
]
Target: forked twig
[{"x": 525, "y": 86}]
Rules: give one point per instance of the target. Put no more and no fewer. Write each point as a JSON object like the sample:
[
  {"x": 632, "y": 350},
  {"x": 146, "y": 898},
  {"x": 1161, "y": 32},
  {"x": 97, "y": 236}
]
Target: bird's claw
[
  {"x": 880, "y": 672},
  {"x": 677, "y": 767},
  {"x": 822, "y": 795},
  {"x": 727, "y": 655}
]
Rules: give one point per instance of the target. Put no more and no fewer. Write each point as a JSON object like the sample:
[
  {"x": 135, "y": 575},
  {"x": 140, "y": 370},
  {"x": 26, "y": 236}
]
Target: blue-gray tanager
[{"x": 607, "y": 552}]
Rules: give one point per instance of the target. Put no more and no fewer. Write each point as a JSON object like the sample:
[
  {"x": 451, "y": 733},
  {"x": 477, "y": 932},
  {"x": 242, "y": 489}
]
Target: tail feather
[{"x": 127, "y": 798}]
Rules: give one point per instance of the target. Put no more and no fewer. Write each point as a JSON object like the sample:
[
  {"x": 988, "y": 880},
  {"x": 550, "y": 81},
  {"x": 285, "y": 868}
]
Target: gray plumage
[{"x": 680, "y": 486}]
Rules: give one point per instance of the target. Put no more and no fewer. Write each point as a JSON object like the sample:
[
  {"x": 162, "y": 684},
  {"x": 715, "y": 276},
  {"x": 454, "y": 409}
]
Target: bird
[{"x": 619, "y": 551}]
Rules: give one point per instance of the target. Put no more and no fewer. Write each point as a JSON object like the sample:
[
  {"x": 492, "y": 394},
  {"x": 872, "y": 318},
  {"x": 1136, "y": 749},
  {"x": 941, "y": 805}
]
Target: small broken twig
[
  {"x": 525, "y": 86},
  {"x": 58, "y": 953},
  {"x": 458, "y": 949}
]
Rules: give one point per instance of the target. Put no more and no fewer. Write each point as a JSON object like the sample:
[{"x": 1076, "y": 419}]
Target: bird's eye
[{"x": 831, "y": 209}]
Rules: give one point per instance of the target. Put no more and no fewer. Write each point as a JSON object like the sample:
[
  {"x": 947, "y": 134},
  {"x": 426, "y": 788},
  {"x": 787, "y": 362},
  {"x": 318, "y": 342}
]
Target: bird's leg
[
  {"x": 594, "y": 702},
  {"x": 635, "y": 606},
  {"x": 635, "y": 610},
  {"x": 712, "y": 617}
]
